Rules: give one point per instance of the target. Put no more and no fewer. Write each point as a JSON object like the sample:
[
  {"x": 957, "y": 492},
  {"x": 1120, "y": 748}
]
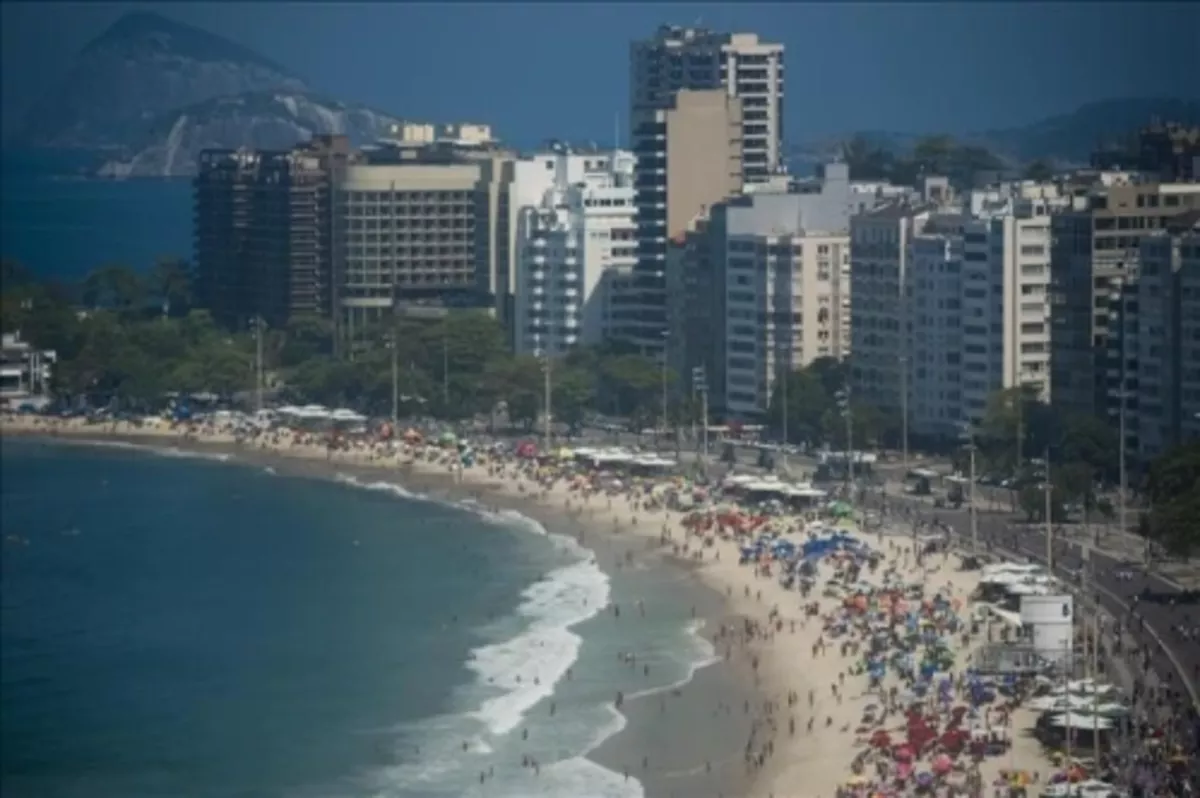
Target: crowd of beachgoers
[{"x": 864, "y": 644}]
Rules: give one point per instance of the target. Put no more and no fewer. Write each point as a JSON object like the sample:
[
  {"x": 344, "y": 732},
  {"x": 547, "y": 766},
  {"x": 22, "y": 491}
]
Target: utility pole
[
  {"x": 258, "y": 363},
  {"x": 395, "y": 379},
  {"x": 843, "y": 400},
  {"x": 1049, "y": 519},
  {"x": 787, "y": 372},
  {"x": 445, "y": 370},
  {"x": 974, "y": 518},
  {"x": 1121, "y": 469},
  {"x": 666, "y": 424},
  {"x": 904, "y": 412},
  {"x": 546, "y": 408}
]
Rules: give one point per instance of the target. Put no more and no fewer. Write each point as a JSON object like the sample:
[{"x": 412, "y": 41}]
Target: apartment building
[
  {"x": 932, "y": 371},
  {"x": 421, "y": 222},
  {"x": 264, "y": 239},
  {"x": 1096, "y": 247},
  {"x": 688, "y": 159},
  {"x": 760, "y": 283},
  {"x": 880, "y": 253},
  {"x": 1167, "y": 364},
  {"x": 572, "y": 244},
  {"x": 741, "y": 65}
]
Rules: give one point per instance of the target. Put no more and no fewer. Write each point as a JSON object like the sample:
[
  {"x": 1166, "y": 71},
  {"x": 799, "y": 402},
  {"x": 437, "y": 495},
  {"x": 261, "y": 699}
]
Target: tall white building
[
  {"x": 951, "y": 304},
  {"x": 575, "y": 243},
  {"x": 696, "y": 58}
]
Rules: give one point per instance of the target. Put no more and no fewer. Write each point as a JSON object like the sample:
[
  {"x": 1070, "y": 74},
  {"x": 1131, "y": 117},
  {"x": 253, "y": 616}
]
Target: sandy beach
[{"x": 790, "y": 713}]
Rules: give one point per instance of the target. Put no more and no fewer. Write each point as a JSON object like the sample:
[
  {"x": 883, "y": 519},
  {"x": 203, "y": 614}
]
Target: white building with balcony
[
  {"x": 25, "y": 372},
  {"x": 575, "y": 245}
]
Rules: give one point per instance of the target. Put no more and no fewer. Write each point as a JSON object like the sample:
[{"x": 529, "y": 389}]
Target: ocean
[
  {"x": 62, "y": 226},
  {"x": 171, "y": 625}
]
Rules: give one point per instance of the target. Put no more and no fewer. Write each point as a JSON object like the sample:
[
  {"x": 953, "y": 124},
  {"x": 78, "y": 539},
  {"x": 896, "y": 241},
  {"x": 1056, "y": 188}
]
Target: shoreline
[
  {"x": 775, "y": 646},
  {"x": 644, "y": 726}
]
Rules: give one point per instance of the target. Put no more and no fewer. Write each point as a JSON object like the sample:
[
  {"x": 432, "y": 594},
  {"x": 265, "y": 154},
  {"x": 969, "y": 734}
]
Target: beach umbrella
[
  {"x": 924, "y": 779},
  {"x": 942, "y": 764},
  {"x": 881, "y": 739}
]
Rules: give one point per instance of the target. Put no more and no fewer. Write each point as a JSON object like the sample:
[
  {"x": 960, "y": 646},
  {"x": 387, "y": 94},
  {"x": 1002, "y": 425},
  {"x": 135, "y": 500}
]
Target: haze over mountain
[{"x": 149, "y": 93}]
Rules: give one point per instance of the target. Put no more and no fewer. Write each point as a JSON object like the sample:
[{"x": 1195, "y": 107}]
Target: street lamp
[
  {"x": 968, "y": 433},
  {"x": 904, "y": 411},
  {"x": 258, "y": 325},
  {"x": 787, "y": 373},
  {"x": 546, "y": 401},
  {"x": 843, "y": 403},
  {"x": 666, "y": 335}
]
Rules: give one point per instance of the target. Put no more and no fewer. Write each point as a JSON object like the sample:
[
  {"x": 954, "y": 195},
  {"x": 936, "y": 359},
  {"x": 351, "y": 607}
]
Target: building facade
[
  {"x": 741, "y": 65},
  {"x": 1168, "y": 338},
  {"x": 572, "y": 246},
  {"x": 1095, "y": 251},
  {"x": 760, "y": 284},
  {"x": 265, "y": 242},
  {"x": 25, "y": 372},
  {"x": 421, "y": 222},
  {"x": 688, "y": 159}
]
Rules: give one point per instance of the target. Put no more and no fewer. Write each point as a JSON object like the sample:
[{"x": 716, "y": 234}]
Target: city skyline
[{"x": 1025, "y": 63}]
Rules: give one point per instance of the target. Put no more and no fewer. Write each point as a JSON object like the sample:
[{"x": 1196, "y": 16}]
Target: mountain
[
  {"x": 170, "y": 144},
  {"x": 141, "y": 67},
  {"x": 1072, "y": 137},
  {"x": 1067, "y": 138}
]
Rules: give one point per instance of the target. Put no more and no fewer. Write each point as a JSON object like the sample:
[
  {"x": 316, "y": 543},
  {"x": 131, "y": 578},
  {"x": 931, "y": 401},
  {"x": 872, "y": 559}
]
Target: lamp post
[
  {"x": 1049, "y": 491},
  {"x": 843, "y": 401},
  {"x": 394, "y": 346},
  {"x": 969, "y": 434},
  {"x": 904, "y": 412},
  {"x": 787, "y": 372},
  {"x": 547, "y": 405},
  {"x": 258, "y": 324},
  {"x": 700, "y": 386}
]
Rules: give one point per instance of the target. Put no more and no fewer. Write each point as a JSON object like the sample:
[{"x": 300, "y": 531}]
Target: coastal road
[{"x": 1148, "y": 594}]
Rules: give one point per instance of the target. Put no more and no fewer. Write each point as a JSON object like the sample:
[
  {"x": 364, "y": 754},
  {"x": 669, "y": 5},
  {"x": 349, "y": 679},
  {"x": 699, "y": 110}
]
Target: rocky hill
[{"x": 149, "y": 93}]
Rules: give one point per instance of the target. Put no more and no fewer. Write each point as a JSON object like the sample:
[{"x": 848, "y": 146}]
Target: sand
[{"x": 799, "y": 763}]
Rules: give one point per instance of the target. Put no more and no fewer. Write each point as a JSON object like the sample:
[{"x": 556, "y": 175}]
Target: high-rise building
[
  {"x": 740, "y": 64},
  {"x": 706, "y": 112},
  {"x": 573, "y": 243},
  {"x": 760, "y": 284},
  {"x": 688, "y": 159},
  {"x": 1096, "y": 249},
  {"x": 264, "y": 239},
  {"x": 880, "y": 254},
  {"x": 1168, "y": 345},
  {"x": 424, "y": 222}
]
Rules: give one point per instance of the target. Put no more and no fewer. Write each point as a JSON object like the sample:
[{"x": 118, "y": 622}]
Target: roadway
[{"x": 1148, "y": 594}]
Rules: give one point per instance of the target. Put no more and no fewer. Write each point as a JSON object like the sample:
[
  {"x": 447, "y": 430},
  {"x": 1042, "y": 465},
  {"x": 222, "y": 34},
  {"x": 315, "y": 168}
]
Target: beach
[{"x": 785, "y": 710}]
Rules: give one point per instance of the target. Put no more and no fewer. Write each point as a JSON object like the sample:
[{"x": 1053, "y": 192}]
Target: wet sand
[{"x": 676, "y": 742}]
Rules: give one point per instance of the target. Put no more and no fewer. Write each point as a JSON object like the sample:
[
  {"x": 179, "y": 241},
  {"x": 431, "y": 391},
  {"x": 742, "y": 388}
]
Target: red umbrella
[
  {"x": 942, "y": 764},
  {"x": 881, "y": 739},
  {"x": 902, "y": 753}
]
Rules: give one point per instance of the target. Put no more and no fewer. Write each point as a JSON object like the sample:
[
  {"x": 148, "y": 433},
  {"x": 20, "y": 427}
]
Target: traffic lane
[{"x": 1069, "y": 560}]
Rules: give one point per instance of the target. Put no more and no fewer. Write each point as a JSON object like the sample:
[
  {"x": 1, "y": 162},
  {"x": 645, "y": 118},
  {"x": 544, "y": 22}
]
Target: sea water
[
  {"x": 186, "y": 627},
  {"x": 62, "y": 226}
]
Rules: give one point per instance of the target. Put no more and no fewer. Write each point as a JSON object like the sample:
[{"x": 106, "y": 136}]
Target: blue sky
[{"x": 541, "y": 70}]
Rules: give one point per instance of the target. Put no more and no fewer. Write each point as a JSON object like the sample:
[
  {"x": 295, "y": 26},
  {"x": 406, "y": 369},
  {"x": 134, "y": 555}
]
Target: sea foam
[{"x": 525, "y": 668}]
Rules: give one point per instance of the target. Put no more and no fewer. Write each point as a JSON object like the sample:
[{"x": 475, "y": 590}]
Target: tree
[
  {"x": 574, "y": 392},
  {"x": 866, "y": 161},
  {"x": 169, "y": 285},
  {"x": 114, "y": 287},
  {"x": 808, "y": 403},
  {"x": 1040, "y": 171},
  {"x": 1173, "y": 489}
]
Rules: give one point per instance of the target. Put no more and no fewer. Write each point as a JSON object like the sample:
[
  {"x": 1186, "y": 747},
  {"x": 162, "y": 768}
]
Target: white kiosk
[{"x": 1047, "y": 621}]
